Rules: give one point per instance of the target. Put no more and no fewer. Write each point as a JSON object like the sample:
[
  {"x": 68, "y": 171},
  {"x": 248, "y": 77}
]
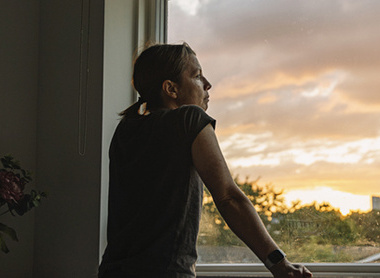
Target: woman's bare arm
[{"x": 233, "y": 205}]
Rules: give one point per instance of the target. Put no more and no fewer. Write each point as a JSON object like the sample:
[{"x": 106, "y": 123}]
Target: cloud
[
  {"x": 351, "y": 166},
  {"x": 292, "y": 37},
  {"x": 298, "y": 112},
  {"x": 363, "y": 88},
  {"x": 292, "y": 81}
]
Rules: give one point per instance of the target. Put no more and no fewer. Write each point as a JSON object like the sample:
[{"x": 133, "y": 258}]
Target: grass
[{"x": 327, "y": 253}]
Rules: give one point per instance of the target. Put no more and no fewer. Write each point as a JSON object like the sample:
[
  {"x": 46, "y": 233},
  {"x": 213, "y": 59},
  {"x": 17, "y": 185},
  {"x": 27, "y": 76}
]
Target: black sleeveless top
[{"x": 155, "y": 194}]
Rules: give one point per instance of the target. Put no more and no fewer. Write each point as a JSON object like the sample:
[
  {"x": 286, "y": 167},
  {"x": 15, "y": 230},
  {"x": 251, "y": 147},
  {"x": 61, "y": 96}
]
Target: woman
[{"x": 162, "y": 150}]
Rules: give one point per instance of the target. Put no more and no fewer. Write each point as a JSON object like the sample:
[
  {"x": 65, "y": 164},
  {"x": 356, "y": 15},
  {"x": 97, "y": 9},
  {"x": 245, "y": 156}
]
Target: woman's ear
[{"x": 170, "y": 89}]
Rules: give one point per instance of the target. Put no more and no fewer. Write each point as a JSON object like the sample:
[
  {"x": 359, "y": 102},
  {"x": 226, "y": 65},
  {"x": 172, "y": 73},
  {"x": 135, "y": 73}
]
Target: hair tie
[
  {"x": 142, "y": 107},
  {"x": 141, "y": 100}
]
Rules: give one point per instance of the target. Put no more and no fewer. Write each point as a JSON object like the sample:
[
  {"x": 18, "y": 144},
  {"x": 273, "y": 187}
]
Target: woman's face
[{"x": 193, "y": 86}]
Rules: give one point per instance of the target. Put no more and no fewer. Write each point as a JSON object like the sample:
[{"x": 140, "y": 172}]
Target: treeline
[{"x": 315, "y": 224}]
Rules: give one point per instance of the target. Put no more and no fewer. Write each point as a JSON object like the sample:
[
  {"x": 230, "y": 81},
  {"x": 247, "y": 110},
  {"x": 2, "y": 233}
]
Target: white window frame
[{"x": 319, "y": 269}]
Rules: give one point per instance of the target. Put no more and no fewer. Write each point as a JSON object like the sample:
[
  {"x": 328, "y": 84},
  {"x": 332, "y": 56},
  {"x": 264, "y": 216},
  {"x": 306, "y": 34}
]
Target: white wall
[{"x": 18, "y": 112}]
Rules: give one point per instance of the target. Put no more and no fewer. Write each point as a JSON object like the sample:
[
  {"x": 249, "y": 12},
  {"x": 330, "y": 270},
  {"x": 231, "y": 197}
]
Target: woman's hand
[{"x": 285, "y": 269}]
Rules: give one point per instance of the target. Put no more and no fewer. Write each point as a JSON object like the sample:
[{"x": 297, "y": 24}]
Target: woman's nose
[{"x": 207, "y": 84}]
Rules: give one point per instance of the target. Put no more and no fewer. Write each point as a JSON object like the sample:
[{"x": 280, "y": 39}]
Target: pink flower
[{"x": 11, "y": 187}]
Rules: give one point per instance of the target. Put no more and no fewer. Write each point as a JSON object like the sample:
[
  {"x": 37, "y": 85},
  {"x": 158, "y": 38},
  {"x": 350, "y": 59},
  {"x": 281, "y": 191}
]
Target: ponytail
[{"x": 133, "y": 109}]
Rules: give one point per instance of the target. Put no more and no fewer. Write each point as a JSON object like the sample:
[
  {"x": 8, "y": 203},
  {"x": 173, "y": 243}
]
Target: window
[{"x": 295, "y": 95}]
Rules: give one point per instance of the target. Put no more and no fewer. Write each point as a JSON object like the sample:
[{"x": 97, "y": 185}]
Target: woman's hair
[{"x": 152, "y": 67}]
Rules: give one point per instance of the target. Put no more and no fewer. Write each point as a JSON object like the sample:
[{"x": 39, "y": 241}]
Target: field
[{"x": 310, "y": 253}]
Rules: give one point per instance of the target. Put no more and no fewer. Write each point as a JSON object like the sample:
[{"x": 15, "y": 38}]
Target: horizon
[{"x": 345, "y": 202}]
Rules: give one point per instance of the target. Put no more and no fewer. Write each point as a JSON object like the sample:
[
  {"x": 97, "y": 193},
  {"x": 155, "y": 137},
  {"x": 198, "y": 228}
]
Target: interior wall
[
  {"x": 69, "y": 134},
  {"x": 18, "y": 110}
]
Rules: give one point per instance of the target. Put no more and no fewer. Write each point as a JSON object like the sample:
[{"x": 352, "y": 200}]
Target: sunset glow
[
  {"x": 345, "y": 201},
  {"x": 295, "y": 92}
]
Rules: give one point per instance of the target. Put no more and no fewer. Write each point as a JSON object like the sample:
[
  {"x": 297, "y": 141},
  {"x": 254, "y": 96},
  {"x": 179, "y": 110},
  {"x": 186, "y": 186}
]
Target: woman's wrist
[{"x": 275, "y": 257}]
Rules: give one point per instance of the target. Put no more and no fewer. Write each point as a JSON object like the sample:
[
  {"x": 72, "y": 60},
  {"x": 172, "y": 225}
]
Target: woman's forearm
[{"x": 243, "y": 219}]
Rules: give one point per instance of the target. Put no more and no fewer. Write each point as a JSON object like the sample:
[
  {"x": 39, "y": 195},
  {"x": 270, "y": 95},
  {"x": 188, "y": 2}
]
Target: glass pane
[{"x": 296, "y": 96}]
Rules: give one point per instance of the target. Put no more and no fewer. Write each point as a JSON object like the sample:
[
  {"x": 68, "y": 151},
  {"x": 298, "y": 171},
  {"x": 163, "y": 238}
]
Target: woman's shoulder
[
  {"x": 183, "y": 112},
  {"x": 193, "y": 118},
  {"x": 190, "y": 110}
]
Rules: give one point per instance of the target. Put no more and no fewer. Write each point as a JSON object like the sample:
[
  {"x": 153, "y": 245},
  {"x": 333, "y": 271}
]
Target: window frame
[{"x": 244, "y": 270}]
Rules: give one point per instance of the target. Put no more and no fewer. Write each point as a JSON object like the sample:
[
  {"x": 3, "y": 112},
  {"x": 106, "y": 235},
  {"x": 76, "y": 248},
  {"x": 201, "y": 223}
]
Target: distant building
[{"x": 375, "y": 203}]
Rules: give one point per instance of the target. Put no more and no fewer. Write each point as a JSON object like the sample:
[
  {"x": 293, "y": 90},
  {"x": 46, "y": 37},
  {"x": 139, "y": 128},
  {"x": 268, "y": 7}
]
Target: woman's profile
[{"x": 163, "y": 150}]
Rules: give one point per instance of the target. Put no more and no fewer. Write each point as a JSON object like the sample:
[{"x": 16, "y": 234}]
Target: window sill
[{"x": 318, "y": 269}]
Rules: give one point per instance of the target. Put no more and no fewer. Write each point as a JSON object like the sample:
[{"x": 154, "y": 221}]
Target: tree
[
  {"x": 319, "y": 223},
  {"x": 215, "y": 231},
  {"x": 368, "y": 226}
]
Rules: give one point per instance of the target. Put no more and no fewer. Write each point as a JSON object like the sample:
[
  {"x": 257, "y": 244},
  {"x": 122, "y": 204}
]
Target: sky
[{"x": 296, "y": 91}]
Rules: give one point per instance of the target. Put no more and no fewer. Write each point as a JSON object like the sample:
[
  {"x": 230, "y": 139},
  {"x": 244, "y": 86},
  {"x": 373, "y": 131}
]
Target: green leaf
[
  {"x": 3, "y": 246},
  {"x": 8, "y": 231},
  {"x": 16, "y": 164},
  {"x": 7, "y": 161}
]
